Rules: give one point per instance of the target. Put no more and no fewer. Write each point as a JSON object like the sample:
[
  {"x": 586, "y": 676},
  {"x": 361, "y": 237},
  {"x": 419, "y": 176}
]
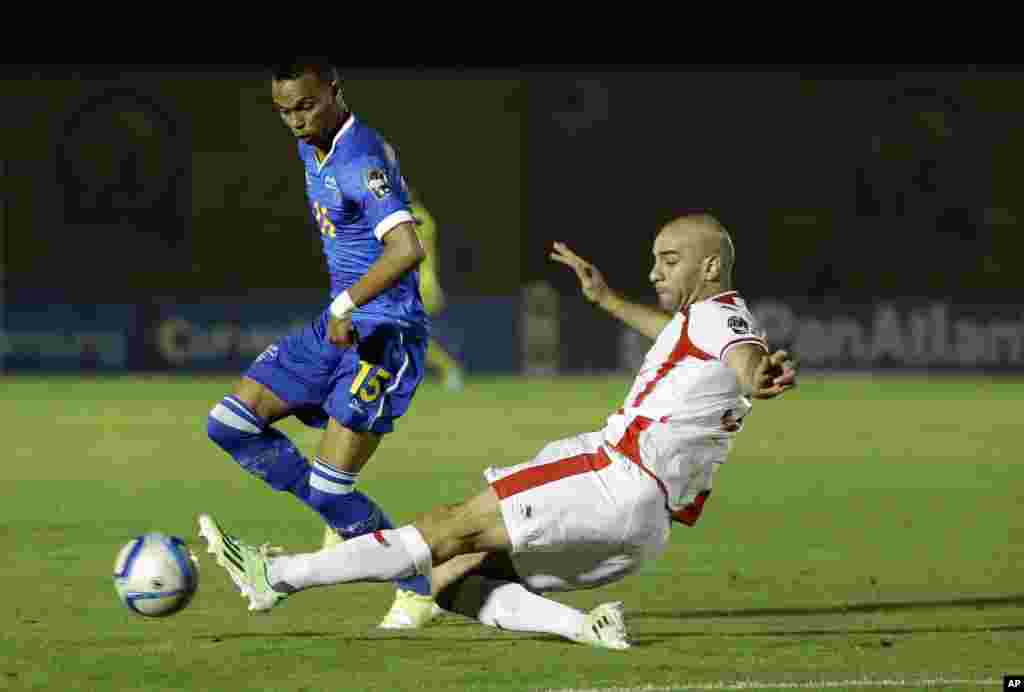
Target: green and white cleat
[
  {"x": 605, "y": 627},
  {"x": 245, "y": 564}
]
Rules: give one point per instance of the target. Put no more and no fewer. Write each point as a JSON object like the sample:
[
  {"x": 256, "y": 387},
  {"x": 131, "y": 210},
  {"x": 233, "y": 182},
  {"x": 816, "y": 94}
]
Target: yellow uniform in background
[{"x": 433, "y": 297}]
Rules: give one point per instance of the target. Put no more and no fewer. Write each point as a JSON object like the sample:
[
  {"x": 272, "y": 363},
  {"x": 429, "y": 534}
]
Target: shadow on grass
[
  {"x": 390, "y": 636},
  {"x": 654, "y": 637},
  {"x": 842, "y": 609}
]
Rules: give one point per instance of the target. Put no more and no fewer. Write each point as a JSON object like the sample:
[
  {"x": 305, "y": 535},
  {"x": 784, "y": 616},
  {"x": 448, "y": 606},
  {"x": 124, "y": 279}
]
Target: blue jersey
[{"x": 357, "y": 194}]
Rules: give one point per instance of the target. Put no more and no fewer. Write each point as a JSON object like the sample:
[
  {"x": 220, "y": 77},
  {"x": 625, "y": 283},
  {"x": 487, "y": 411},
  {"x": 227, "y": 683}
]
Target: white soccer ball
[{"x": 156, "y": 575}]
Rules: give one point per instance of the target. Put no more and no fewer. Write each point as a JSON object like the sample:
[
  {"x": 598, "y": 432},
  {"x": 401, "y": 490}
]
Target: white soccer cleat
[
  {"x": 245, "y": 564},
  {"x": 605, "y": 627},
  {"x": 410, "y": 611}
]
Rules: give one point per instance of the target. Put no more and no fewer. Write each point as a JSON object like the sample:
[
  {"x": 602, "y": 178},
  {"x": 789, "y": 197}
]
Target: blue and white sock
[
  {"x": 269, "y": 455},
  {"x": 258, "y": 448}
]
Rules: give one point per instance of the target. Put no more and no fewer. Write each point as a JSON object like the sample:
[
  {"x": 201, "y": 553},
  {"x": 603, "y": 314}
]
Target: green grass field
[{"x": 863, "y": 530}]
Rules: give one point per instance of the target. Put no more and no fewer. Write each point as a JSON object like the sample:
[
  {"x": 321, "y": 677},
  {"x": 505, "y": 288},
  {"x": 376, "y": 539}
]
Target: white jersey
[{"x": 686, "y": 404}]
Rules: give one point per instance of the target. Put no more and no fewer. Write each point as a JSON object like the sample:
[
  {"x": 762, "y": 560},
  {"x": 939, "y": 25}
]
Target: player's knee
[
  {"x": 226, "y": 431},
  {"x": 444, "y": 548},
  {"x": 447, "y": 532}
]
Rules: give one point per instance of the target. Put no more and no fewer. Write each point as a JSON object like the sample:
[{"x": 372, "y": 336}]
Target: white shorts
[{"x": 579, "y": 516}]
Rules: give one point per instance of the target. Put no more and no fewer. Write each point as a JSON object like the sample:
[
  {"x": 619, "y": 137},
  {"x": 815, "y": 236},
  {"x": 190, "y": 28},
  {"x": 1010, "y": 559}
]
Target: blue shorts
[{"x": 365, "y": 387}]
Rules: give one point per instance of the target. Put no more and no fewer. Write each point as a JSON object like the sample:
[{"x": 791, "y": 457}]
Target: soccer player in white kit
[{"x": 590, "y": 509}]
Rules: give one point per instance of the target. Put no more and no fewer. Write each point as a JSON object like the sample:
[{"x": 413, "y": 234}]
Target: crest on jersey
[
  {"x": 377, "y": 182},
  {"x": 270, "y": 353},
  {"x": 738, "y": 325}
]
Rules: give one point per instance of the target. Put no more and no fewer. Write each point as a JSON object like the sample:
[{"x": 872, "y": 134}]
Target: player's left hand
[
  {"x": 773, "y": 376},
  {"x": 340, "y": 332}
]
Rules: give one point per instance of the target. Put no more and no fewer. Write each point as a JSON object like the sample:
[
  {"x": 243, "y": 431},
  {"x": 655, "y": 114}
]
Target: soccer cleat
[
  {"x": 245, "y": 564},
  {"x": 331, "y": 538},
  {"x": 410, "y": 611},
  {"x": 605, "y": 627}
]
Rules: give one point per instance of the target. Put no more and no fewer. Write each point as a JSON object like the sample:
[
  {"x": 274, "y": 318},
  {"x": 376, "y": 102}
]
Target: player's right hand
[
  {"x": 591, "y": 281},
  {"x": 340, "y": 332},
  {"x": 774, "y": 375}
]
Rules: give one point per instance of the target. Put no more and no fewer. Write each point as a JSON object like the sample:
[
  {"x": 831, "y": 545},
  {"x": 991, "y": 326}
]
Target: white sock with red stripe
[
  {"x": 509, "y": 606},
  {"x": 378, "y": 556}
]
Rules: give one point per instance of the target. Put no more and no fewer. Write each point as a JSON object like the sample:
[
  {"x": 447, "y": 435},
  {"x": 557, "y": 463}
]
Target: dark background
[{"x": 842, "y": 185}]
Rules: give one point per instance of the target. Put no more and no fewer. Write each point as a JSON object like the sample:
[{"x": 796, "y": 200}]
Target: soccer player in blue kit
[{"x": 354, "y": 370}]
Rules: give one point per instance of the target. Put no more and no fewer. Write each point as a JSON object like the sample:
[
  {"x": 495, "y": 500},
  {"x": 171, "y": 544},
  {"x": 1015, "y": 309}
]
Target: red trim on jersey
[
  {"x": 691, "y": 513},
  {"x": 629, "y": 444},
  {"x": 380, "y": 539},
  {"x": 728, "y": 298},
  {"x": 684, "y": 347},
  {"x": 743, "y": 340},
  {"x": 629, "y": 447},
  {"x": 543, "y": 474}
]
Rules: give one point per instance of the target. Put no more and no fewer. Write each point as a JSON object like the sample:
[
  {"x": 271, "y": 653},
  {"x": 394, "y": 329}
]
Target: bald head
[
  {"x": 708, "y": 237},
  {"x": 694, "y": 257}
]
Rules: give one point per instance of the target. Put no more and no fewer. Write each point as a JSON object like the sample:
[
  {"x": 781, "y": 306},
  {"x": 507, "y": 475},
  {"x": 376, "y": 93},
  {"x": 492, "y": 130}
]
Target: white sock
[
  {"x": 378, "y": 556},
  {"x": 509, "y": 606}
]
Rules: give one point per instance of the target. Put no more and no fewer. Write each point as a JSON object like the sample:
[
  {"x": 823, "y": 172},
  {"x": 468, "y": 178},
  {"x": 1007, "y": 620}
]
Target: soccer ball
[{"x": 156, "y": 575}]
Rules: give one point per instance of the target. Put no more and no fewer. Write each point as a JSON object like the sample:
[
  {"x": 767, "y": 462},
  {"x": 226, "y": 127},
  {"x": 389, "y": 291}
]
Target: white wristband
[{"x": 342, "y": 305}]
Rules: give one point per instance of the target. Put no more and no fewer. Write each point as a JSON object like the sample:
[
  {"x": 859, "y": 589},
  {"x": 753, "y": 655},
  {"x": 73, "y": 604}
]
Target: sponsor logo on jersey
[
  {"x": 377, "y": 182},
  {"x": 738, "y": 325}
]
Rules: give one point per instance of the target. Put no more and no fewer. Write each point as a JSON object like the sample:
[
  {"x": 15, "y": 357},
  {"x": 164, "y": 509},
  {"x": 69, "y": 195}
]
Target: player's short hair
[
  {"x": 296, "y": 67},
  {"x": 321, "y": 66}
]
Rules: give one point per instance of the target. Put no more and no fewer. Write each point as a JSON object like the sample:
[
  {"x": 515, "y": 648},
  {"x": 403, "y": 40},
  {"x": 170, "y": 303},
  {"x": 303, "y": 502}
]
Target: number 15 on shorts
[{"x": 370, "y": 381}]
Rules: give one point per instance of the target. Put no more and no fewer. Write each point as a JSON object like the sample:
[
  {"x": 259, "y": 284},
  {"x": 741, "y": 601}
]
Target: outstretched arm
[
  {"x": 761, "y": 375},
  {"x": 647, "y": 320}
]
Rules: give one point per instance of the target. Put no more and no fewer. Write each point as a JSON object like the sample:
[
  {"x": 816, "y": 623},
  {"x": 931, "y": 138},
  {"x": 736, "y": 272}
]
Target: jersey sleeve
[
  {"x": 716, "y": 328},
  {"x": 382, "y": 194}
]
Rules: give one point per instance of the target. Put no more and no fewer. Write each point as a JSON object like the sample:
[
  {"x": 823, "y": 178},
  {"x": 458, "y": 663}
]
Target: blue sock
[
  {"x": 269, "y": 455},
  {"x": 351, "y": 513},
  {"x": 258, "y": 448}
]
